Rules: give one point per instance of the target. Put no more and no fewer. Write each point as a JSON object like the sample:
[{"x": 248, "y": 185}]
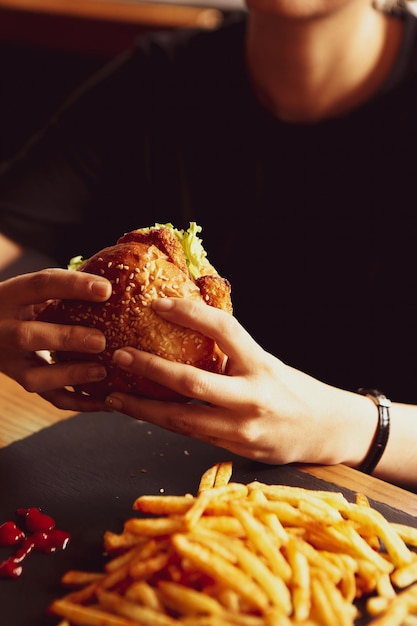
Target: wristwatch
[{"x": 380, "y": 440}]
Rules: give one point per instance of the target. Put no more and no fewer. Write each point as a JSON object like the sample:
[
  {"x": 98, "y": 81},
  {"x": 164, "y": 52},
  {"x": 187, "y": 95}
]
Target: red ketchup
[{"x": 40, "y": 534}]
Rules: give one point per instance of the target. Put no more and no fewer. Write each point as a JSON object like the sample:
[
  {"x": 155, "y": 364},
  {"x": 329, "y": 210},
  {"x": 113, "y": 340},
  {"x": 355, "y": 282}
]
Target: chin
[{"x": 296, "y": 9}]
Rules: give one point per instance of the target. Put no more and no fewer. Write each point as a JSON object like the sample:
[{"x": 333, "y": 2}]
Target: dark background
[{"x": 42, "y": 59}]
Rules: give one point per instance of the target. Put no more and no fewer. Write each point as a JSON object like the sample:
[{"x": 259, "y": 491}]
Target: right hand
[{"x": 22, "y": 337}]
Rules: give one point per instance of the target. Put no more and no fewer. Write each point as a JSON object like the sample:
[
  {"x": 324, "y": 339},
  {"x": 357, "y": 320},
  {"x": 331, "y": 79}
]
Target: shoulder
[
  {"x": 396, "y": 100},
  {"x": 407, "y": 61}
]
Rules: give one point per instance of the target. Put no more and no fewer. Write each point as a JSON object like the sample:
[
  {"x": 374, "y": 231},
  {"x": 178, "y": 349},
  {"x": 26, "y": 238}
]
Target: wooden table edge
[
  {"x": 23, "y": 413},
  {"x": 374, "y": 488}
]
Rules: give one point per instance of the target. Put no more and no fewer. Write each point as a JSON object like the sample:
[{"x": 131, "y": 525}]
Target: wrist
[{"x": 353, "y": 420}]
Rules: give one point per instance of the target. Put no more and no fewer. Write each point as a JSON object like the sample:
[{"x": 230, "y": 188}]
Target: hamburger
[{"x": 144, "y": 264}]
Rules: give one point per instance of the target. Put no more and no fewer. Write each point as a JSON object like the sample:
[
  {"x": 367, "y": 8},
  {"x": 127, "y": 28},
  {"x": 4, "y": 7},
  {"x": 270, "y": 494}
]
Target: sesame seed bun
[{"x": 143, "y": 266}]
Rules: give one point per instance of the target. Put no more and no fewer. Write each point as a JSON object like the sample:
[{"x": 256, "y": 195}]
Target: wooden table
[{"x": 23, "y": 413}]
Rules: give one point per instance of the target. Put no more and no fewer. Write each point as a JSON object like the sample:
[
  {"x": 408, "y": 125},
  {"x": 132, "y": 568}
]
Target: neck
[{"x": 309, "y": 69}]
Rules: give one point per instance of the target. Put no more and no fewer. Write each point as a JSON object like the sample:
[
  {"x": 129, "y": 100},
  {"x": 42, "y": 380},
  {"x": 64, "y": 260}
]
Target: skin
[
  {"x": 310, "y": 60},
  {"x": 21, "y": 337},
  {"x": 307, "y": 60},
  {"x": 263, "y": 409},
  {"x": 10, "y": 251}
]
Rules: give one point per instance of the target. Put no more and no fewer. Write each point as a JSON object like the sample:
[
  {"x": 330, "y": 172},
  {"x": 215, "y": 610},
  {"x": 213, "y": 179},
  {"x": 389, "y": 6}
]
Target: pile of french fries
[{"x": 248, "y": 555}]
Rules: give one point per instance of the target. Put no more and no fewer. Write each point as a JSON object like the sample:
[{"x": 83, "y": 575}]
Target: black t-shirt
[{"x": 314, "y": 225}]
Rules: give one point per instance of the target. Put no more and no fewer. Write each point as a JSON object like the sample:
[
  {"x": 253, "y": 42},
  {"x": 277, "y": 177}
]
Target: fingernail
[
  {"x": 122, "y": 357},
  {"x": 113, "y": 403},
  {"x": 97, "y": 372},
  {"x": 162, "y": 304},
  {"x": 101, "y": 288},
  {"x": 96, "y": 342}
]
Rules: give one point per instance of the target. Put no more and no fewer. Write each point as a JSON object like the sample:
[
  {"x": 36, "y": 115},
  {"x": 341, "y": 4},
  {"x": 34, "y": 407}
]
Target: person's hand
[
  {"x": 22, "y": 338},
  {"x": 261, "y": 408}
]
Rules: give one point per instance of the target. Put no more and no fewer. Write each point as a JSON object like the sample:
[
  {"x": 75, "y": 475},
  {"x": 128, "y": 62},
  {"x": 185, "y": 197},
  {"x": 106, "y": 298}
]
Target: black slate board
[{"x": 86, "y": 472}]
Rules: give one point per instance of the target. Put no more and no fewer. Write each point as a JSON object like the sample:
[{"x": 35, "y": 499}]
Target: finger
[
  {"x": 187, "y": 380},
  {"x": 37, "y": 287},
  {"x": 203, "y": 422},
  {"x": 36, "y": 375},
  {"x": 224, "y": 328},
  {"x": 67, "y": 400},
  {"x": 214, "y": 425},
  {"x": 32, "y": 336},
  {"x": 199, "y": 421}
]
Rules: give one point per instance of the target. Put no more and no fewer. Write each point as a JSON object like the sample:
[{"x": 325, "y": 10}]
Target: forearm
[
  {"x": 9, "y": 251},
  {"x": 348, "y": 423},
  {"x": 356, "y": 424}
]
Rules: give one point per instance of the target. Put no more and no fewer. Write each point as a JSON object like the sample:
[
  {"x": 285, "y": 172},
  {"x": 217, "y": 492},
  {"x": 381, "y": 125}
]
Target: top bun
[{"x": 143, "y": 265}]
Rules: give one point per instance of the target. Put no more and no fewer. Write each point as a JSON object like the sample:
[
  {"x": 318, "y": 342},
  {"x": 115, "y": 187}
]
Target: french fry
[
  {"x": 142, "y": 592},
  {"x": 225, "y": 524},
  {"x": 407, "y": 533},
  {"x": 270, "y": 519},
  {"x": 248, "y": 555},
  {"x": 75, "y": 578},
  {"x": 348, "y": 569},
  {"x": 133, "y": 612},
  {"x": 294, "y": 495},
  {"x": 114, "y": 542},
  {"x": 163, "y": 505},
  {"x": 405, "y": 575},
  {"x": 322, "y": 610},
  {"x": 344, "y": 612},
  {"x": 260, "y": 538},
  {"x": 221, "y": 570},
  {"x": 87, "y": 616},
  {"x": 143, "y": 569},
  {"x": 376, "y": 523},
  {"x": 223, "y": 474},
  {"x": 394, "y": 614},
  {"x": 216, "y": 476},
  {"x": 208, "y": 496},
  {"x": 300, "y": 582},
  {"x": 207, "y": 479},
  {"x": 186, "y": 601},
  {"x": 154, "y": 527}
]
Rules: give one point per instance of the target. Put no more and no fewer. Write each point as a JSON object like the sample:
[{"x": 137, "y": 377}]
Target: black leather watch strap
[{"x": 380, "y": 440}]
